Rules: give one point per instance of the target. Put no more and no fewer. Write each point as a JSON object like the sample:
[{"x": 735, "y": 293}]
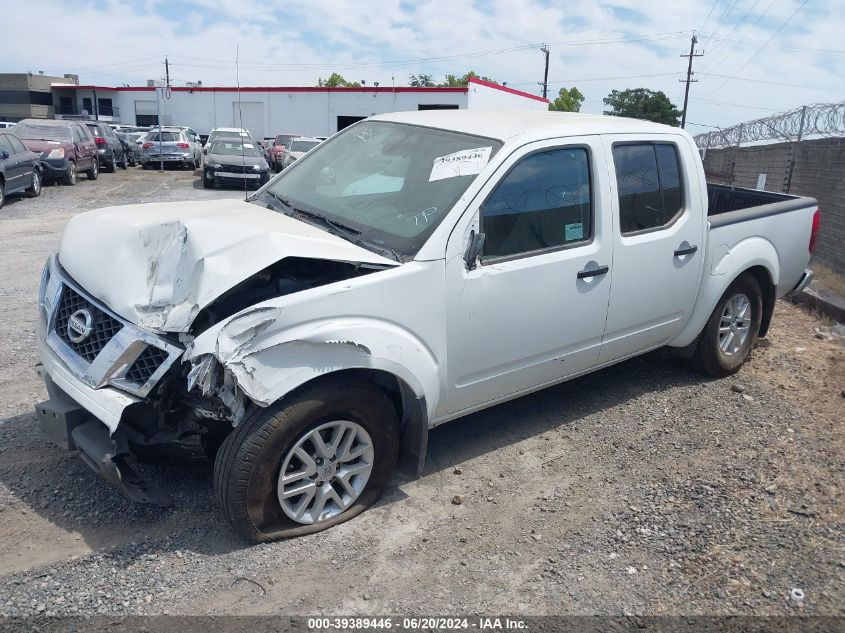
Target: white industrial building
[{"x": 267, "y": 111}]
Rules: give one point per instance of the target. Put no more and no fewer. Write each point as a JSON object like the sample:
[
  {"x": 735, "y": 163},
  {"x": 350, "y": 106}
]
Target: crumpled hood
[{"x": 157, "y": 265}]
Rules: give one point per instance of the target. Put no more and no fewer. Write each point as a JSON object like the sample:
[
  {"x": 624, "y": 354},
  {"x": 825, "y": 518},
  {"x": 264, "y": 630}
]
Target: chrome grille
[
  {"x": 104, "y": 327},
  {"x": 146, "y": 364}
]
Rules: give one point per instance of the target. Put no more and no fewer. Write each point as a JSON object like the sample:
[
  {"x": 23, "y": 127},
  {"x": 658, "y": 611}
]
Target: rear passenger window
[
  {"x": 79, "y": 135},
  {"x": 544, "y": 202},
  {"x": 648, "y": 178}
]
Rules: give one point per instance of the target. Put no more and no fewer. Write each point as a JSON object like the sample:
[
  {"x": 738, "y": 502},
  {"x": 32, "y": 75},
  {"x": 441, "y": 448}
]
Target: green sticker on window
[{"x": 574, "y": 232}]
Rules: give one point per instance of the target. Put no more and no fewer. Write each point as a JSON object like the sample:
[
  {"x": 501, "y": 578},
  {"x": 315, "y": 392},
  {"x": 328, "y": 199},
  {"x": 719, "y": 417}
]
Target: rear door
[
  {"x": 533, "y": 311},
  {"x": 658, "y": 242}
]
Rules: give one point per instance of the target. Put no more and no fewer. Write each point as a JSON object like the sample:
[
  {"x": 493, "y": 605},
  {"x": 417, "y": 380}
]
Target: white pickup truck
[{"x": 412, "y": 269}]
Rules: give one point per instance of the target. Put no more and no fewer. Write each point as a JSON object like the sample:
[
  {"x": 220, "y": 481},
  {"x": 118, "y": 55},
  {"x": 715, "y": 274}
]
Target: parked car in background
[
  {"x": 171, "y": 146},
  {"x": 235, "y": 161},
  {"x": 225, "y": 131},
  {"x": 297, "y": 148},
  {"x": 6, "y": 124},
  {"x": 109, "y": 148},
  {"x": 20, "y": 168},
  {"x": 66, "y": 148},
  {"x": 277, "y": 152},
  {"x": 133, "y": 151}
]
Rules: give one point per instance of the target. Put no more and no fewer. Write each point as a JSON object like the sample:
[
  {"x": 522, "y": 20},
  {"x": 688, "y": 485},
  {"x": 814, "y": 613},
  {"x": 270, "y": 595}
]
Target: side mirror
[
  {"x": 205, "y": 150},
  {"x": 4, "y": 154},
  {"x": 476, "y": 243}
]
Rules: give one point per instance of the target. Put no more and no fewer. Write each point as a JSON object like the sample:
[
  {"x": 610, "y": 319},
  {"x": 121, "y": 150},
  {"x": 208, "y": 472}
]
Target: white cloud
[{"x": 293, "y": 43}]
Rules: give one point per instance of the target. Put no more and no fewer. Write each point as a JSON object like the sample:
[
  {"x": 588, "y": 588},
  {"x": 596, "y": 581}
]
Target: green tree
[
  {"x": 453, "y": 81},
  {"x": 568, "y": 100},
  {"x": 336, "y": 80},
  {"x": 420, "y": 81},
  {"x": 642, "y": 103}
]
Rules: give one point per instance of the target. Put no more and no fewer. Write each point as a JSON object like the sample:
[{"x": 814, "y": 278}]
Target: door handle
[
  {"x": 601, "y": 270},
  {"x": 689, "y": 250}
]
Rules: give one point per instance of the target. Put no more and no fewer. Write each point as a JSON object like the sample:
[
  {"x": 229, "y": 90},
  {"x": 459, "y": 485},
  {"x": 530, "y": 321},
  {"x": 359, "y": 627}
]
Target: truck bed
[{"x": 725, "y": 198}]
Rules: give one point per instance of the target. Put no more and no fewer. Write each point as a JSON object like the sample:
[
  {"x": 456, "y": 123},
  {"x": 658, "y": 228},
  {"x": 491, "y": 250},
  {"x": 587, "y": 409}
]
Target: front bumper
[{"x": 105, "y": 385}]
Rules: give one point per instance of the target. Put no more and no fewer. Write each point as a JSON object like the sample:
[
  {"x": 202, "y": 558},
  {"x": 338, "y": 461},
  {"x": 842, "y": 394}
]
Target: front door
[
  {"x": 533, "y": 310},
  {"x": 658, "y": 234}
]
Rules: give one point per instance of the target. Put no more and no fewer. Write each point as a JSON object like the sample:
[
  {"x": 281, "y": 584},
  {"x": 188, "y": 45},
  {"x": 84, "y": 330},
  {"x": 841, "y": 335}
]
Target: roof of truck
[{"x": 506, "y": 124}]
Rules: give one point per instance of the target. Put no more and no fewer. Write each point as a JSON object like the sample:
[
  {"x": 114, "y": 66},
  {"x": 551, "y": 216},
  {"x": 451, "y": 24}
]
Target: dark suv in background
[
  {"x": 109, "y": 147},
  {"x": 65, "y": 147}
]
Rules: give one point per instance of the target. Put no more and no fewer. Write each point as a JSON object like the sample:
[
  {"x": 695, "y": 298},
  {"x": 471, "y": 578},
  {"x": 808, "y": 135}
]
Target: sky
[{"x": 759, "y": 56}]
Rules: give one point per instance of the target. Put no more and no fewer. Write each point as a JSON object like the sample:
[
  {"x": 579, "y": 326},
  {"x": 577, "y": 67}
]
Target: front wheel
[
  {"x": 308, "y": 463},
  {"x": 730, "y": 332}
]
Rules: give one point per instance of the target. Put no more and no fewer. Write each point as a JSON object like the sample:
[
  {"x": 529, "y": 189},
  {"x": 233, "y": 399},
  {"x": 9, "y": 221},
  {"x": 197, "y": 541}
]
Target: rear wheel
[
  {"x": 2, "y": 193},
  {"x": 94, "y": 172},
  {"x": 308, "y": 463},
  {"x": 124, "y": 164},
  {"x": 70, "y": 177},
  {"x": 730, "y": 332},
  {"x": 111, "y": 165},
  {"x": 35, "y": 189}
]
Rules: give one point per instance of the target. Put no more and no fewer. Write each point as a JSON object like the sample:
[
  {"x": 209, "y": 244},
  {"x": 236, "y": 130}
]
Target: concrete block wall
[{"x": 818, "y": 171}]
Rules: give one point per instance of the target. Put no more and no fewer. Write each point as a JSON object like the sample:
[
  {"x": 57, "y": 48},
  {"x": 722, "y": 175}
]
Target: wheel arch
[
  {"x": 754, "y": 256},
  {"x": 410, "y": 407}
]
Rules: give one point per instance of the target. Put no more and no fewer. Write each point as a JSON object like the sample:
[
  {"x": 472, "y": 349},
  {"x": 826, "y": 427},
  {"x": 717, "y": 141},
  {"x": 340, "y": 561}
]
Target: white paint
[{"x": 510, "y": 327}]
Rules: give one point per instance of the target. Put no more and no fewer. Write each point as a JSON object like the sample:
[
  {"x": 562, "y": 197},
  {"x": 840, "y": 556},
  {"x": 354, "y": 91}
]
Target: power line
[
  {"x": 721, "y": 46},
  {"x": 712, "y": 62},
  {"x": 757, "y": 52},
  {"x": 721, "y": 22},
  {"x": 707, "y": 19},
  {"x": 771, "y": 83}
]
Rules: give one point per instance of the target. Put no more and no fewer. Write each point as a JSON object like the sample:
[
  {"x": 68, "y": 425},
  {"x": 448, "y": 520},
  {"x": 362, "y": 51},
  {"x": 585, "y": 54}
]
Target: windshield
[
  {"x": 33, "y": 132},
  {"x": 391, "y": 182},
  {"x": 303, "y": 146},
  {"x": 166, "y": 137},
  {"x": 234, "y": 147}
]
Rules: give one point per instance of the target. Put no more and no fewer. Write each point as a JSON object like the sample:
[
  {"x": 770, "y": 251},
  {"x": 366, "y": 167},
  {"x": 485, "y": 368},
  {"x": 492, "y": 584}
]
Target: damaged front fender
[{"x": 267, "y": 359}]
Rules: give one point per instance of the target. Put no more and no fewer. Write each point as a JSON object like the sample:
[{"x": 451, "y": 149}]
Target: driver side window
[{"x": 543, "y": 203}]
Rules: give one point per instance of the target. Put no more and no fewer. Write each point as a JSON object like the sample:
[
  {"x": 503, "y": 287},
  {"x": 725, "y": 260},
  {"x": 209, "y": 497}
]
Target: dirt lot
[{"x": 644, "y": 488}]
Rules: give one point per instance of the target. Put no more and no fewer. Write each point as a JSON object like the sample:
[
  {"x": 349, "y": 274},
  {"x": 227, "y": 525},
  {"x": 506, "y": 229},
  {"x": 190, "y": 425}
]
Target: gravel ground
[{"x": 641, "y": 489}]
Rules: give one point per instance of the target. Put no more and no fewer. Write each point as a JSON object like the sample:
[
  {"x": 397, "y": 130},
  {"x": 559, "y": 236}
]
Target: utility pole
[
  {"x": 167, "y": 71},
  {"x": 545, "y": 50},
  {"x": 689, "y": 80}
]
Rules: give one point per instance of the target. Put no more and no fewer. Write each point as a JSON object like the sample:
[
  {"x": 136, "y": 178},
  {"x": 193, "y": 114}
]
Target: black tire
[
  {"x": 708, "y": 357},
  {"x": 35, "y": 189},
  {"x": 94, "y": 172},
  {"x": 123, "y": 163},
  {"x": 111, "y": 165},
  {"x": 70, "y": 178},
  {"x": 207, "y": 183},
  {"x": 2, "y": 193},
  {"x": 247, "y": 465}
]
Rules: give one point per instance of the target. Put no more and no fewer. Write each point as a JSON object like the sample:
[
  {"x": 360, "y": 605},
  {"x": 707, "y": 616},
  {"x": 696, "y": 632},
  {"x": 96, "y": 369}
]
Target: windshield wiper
[{"x": 335, "y": 227}]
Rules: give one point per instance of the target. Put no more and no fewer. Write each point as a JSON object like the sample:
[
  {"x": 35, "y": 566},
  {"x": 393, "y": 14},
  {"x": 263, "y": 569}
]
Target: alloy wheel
[
  {"x": 735, "y": 324},
  {"x": 325, "y": 471}
]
